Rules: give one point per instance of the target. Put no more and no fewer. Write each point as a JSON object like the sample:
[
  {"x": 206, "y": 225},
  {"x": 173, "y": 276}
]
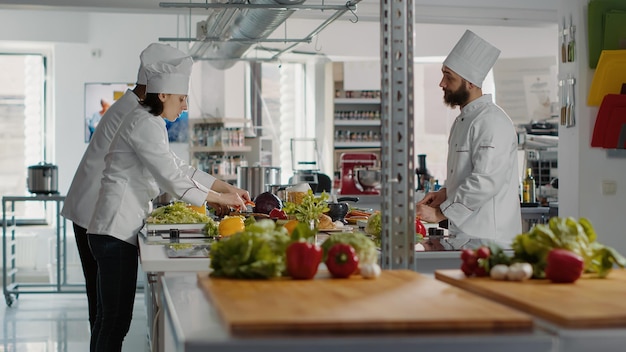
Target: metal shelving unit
[{"x": 10, "y": 286}]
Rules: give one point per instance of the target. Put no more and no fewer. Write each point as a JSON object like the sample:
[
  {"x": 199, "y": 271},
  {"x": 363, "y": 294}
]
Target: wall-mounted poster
[{"x": 100, "y": 96}]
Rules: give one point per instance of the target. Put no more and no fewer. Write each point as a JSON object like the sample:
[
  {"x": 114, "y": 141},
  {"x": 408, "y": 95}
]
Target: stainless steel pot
[
  {"x": 43, "y": 178},
  {"x": 255, "y": 179}
]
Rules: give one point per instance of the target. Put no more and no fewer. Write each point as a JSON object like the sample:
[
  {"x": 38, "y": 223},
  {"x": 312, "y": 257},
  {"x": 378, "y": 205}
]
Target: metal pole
[{"x": 398, "y": 207}]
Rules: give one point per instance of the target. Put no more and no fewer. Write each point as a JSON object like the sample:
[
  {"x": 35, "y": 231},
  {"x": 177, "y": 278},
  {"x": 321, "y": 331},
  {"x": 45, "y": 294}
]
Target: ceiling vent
[{"x": 233, "y": 27}]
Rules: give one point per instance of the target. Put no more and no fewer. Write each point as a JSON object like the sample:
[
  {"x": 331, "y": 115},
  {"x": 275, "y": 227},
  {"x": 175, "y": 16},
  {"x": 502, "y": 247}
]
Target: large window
[
  {"x": 22, "y": 121},
  {"x": 283, "y": 112}
]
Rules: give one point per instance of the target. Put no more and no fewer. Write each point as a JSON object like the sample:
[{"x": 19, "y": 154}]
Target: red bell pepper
[
  {"x": 563, "y": 266},
  {"x": 342, "y": 260},
  {"x": 419, "y": 227},
  {"x": 303, "y": 259}
]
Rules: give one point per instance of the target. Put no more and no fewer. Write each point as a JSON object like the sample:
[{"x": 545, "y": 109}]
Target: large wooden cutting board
[
  {"x": 399, "y": 300},
  {"x": 587, "y": 303}
]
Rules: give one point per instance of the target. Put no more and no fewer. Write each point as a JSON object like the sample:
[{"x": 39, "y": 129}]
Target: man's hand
[
  {"x": 429, "y": 214},
  {"x": 434, "y": 199}
]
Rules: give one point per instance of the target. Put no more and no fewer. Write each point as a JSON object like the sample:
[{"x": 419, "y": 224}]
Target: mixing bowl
[{"x": 368, "y": 178}]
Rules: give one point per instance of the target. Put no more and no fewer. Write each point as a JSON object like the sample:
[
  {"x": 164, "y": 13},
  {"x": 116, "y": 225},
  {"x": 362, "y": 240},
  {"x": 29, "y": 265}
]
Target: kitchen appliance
[
  {"x": 256, "y": 179},
  {"x": 43, "y": 178},
  {"x": 359, "y": 173}
]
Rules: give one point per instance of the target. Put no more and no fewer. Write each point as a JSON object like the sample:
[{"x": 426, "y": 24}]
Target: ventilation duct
[{"x": 228, "y": 33}]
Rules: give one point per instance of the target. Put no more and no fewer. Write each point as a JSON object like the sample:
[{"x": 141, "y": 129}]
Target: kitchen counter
[{"x": 193, "y": 324}]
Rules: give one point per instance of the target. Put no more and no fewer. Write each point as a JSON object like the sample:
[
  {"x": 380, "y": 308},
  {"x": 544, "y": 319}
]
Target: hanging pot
[{"x": 43, "y": 178}]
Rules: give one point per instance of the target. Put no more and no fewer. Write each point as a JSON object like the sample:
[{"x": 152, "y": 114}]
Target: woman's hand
[
  {"x": 232, "y": 200},
  {"x": 225, "y": 187}
]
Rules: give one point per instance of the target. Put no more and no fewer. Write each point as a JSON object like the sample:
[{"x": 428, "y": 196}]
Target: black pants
[
  {"x": 117, "y": 282},
  {"x": 90, "y": 271}
]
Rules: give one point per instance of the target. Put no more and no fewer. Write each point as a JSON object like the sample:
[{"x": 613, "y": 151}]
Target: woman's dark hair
[{"x": 154, "y": 104}]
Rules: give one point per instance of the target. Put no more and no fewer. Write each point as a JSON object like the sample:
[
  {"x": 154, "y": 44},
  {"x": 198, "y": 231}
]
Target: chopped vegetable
[
  {"x": 342, "y": 260},
  {"x": 176, "y": 213},
  {"x": 303, "y": 259},
  {"x": 566, "y": 233},
  {"x": 257, "y": 252},
  {"x": 564, "y": 266},
  {"x": 363, "y": 245}
]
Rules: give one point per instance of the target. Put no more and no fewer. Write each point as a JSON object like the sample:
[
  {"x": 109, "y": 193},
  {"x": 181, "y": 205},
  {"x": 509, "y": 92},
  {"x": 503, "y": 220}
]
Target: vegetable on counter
[
  {"x": 176, "y": 213},
  {"x": 310, "y": 209},
  {"x": 564, "y": 266},
  {"x": 362, "y": 244},
  {"x": 566, "y": 233},
  {"x": 342, "y": 260},
  {"x": 256, "y": 253},
  {"x": 370, "y": 270},
  {"x": 303, "y": 259}
]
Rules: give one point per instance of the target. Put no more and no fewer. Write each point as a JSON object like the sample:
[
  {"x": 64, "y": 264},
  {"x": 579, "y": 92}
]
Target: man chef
[{"x": 480, "y": 198}]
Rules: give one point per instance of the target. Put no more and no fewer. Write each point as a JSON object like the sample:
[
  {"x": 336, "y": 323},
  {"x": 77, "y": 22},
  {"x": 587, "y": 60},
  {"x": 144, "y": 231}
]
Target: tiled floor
[{"x": 59, "y": 323}]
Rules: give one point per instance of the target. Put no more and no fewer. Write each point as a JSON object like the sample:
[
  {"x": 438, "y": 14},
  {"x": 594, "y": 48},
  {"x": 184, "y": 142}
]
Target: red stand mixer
[{"x": 360, "y": 174}]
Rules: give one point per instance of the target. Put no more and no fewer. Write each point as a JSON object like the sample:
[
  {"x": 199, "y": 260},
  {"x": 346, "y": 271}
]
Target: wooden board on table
[
  {"x": 587, "y": 303},
  {"x": 399, "y": 300}
]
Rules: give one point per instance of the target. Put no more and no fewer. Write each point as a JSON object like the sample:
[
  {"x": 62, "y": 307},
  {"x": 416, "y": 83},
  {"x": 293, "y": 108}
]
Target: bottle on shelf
[{"x": 528, "y": 187}]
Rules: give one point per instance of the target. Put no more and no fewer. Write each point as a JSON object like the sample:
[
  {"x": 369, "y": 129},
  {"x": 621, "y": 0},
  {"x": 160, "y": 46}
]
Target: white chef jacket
[
  {"x": 81, "y": 197},
  {"x": 482, "y": 177},
  {"x": 140, "y": 162}
]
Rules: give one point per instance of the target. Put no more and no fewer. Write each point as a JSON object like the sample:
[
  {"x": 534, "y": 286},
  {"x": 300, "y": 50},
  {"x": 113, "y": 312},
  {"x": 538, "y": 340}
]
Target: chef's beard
[{"x": 458, "y": 97}]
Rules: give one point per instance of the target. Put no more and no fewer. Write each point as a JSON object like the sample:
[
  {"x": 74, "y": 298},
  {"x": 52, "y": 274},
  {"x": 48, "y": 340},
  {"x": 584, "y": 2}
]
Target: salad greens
[
  {"x": 176, "y": 213},
  {"x": 567, "y": 233},
  {"x": 310, "y": 209},
  {"x": 374, "y": 227},
  {"x": 362, "y": 244},
  {"x": 256, "y": 253}
]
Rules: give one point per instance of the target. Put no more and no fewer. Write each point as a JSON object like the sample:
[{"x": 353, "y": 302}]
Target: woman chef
[
  {"x": 480, "y": 198},
  {"x": 138, "y": 163}
]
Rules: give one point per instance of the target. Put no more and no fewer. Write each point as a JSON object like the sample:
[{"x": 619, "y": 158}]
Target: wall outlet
[{"x": 609, "y": 187}]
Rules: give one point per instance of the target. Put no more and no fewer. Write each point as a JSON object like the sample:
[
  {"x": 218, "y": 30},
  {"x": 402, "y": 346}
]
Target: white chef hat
[
  {"x": 156, "y": 52},
  {"x": 472, "y": 57},
  {"x": 170, "y": 77}
]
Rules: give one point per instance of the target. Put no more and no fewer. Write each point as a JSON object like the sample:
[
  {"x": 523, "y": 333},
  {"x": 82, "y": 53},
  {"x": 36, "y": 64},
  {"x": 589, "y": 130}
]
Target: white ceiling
[{"x": 480, "y": 12}]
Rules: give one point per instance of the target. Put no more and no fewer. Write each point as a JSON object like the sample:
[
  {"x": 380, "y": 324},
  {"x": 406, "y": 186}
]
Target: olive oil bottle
[{"x": 528, "y": 187}]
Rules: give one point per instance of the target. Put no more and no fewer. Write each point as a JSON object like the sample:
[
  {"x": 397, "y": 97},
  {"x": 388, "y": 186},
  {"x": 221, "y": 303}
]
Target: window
[
  {"x": 22, "y": 118},
  {"x": 283, "y": 112}
]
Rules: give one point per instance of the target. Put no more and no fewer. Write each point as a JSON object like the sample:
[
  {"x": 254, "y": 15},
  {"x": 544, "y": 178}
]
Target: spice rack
[{"x": 217, "y": 146}]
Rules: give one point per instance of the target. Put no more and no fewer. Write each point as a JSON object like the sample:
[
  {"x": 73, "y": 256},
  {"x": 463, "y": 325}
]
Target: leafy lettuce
[{"x": 567, "y": 233}]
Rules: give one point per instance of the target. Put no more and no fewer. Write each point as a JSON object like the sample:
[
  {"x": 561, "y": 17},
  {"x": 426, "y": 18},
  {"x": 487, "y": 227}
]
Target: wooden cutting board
[
  {"x": 587, "y": 303},
  {"x": 398, "y": 300}
]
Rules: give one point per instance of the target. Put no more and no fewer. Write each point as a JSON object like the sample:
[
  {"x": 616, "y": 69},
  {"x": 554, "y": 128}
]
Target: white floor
[{"x": 59, "y": 323}]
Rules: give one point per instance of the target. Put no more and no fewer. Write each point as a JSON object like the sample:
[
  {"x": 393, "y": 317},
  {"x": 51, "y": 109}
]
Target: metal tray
[{"x": 187, "y": 250}]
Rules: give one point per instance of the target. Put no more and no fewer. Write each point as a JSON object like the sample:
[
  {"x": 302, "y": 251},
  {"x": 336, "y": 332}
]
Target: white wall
[{"x": 582, "y": 168}]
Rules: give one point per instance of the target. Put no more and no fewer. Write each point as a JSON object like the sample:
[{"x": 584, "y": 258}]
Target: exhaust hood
[{"x": 234, "y": 27}]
